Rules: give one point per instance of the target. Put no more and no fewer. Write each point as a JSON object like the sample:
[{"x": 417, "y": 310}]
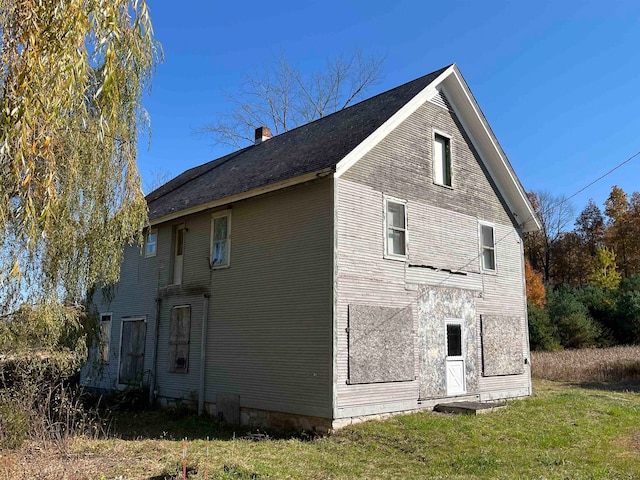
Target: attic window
[{"x": 441, "y": 160}]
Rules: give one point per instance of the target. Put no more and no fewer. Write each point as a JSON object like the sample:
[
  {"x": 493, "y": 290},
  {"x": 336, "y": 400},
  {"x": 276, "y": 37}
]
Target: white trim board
[{"x": 454, "y": 87}]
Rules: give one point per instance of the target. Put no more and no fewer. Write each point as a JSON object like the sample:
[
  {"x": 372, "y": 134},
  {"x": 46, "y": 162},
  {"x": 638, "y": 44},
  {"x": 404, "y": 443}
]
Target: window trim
[
  {"x": 147, "y": 254},
  {"x": 447, "y": 136},
  {"x": 220, "y": 214},
  {"x": 493, "y": 271},
  {"x": 101, "y": 358},
  {"x": 460, "y": 323},
  {"x": 387, "y": 254}
]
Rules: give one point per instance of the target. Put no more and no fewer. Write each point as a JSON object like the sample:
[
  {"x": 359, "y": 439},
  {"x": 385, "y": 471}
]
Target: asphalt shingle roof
[{"x": 315, "y": 146}]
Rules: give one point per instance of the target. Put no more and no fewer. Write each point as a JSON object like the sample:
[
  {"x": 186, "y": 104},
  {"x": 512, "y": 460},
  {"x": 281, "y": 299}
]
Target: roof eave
[
  {"x": 489, "y": 150},
  {"x": 272, "y": 187}
]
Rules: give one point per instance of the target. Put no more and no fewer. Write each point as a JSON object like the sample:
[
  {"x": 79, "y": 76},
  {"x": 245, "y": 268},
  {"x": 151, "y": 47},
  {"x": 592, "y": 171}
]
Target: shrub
[
  {"x": 628, "y": 311},
  {"x": 601, "y": 305},
  {"x": 576, "y": 328},
  {"x": 543, "y": 335},
  {"x": 14, "y": 423}
]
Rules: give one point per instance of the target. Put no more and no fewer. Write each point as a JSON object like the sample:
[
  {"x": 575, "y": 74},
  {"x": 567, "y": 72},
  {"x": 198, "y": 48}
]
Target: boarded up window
[
  {"x": 105, "y": 336},
  {"x": 132, "y": 351},
  {"x": 380, "y": 344},
  {"x": 179, "y": 333},
  {"x": 501, "y": 345}
]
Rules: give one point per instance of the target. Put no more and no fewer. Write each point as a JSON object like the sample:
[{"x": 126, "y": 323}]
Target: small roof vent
[{"x": 262, "y": 134}]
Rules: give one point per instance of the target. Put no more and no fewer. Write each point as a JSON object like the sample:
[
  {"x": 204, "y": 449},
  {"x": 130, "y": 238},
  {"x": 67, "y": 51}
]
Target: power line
[{"x": 604, "y": 175}]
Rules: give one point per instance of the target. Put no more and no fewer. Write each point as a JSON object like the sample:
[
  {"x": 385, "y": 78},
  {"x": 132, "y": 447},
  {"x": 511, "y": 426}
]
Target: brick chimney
[{"x": 262, "y": 134}]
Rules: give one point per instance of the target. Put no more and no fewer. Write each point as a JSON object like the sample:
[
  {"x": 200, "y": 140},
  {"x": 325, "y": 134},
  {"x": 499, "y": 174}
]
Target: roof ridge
[
  {"x": 217, "y": 161},
  {"x": 291, "y": 153},
  {"x": 415, "y": 80}
]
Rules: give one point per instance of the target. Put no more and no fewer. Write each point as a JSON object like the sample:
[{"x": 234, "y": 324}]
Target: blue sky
[{"x": 558, "y": 81}]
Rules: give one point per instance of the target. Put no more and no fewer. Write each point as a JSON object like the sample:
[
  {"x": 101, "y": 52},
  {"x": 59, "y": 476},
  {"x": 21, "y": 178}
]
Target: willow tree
[{"x": 72, "y": 78}]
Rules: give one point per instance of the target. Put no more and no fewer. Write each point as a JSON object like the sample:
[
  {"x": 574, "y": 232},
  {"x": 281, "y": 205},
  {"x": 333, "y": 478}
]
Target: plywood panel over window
[
  {"x": 179, "y": 334},
  {"x": 501, "y": 345},
  {"x": 380, "y": 344},
  {"x": 132, "y": 351}
]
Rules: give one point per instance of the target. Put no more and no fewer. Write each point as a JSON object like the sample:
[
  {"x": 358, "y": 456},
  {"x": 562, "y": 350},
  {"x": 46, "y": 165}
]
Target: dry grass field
[
  {"x": 584, "y": 425},
  {"x": 615, "y": 364}
]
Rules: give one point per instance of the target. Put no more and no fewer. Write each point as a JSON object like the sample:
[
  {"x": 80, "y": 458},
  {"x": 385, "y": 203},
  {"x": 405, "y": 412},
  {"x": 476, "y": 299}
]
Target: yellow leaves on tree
[
  {"x": 604, "y": 271},
  {"x": 73, "y": 74},
  {"x": 536, "y": 292}
]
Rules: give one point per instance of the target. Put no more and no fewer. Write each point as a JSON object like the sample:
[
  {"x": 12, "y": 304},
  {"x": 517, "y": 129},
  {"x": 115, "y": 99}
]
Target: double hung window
[
  {"x": 395, "y": 228},
  {"x": 488, "y": 247},
  {"x": 220, "y": 239}
]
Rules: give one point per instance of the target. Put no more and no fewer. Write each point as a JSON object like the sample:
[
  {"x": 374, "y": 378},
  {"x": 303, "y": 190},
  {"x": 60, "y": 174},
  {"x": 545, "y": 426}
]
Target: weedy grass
[
  {"x": 563, "y": 431},
  {"x": 615, "y": 364}
]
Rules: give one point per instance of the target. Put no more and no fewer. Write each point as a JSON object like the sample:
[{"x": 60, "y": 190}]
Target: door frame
[
  {"x": 137, "y": 318},
  {"x": 455, "y": 358}
]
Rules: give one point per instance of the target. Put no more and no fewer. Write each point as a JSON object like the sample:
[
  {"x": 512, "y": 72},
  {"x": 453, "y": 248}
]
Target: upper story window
[
  {"x": 395, "y": 239},
  {"x": 488, "y": 245},
  {"x": 441, "y": 160},
  {"x": 220, "y": 239},
  {"x": 151, "y": 243}
]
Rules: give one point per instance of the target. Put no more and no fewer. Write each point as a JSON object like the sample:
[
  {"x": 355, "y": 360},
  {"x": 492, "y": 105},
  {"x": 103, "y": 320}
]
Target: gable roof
[{"x": 332, "y": 143}]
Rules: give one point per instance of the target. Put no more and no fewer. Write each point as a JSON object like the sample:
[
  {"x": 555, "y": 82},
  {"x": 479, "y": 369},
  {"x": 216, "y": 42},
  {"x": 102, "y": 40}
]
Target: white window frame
[
  {"x": 387, "y": 253},
  {"x": 482, "y": 248},
  {"x": 449, "y": 138},
  {"x": 220, "y": 214},
  {"x": 147, "y": 243},
  {"x": 456, "y": 358},
  {"x": 460, "y": 322},
  {"x": 137, "y": 318},
  {"x": 105, "y": 337}
]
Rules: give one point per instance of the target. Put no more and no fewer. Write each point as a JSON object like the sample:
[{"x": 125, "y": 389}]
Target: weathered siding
[
  {"x": 133, "y": 296},
  {"x": 443, "y": 250},
  {"x": 270, "y": 323},
  {"x": 269, "y": 335}
]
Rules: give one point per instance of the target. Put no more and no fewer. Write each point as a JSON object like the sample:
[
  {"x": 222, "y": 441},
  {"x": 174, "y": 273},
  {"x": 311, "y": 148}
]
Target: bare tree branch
[{"x": 282, "y": 97}]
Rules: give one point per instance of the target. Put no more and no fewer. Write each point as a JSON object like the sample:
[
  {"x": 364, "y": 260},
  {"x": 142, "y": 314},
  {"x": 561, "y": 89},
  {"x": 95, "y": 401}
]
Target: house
[{"x": 366, "y": 263}]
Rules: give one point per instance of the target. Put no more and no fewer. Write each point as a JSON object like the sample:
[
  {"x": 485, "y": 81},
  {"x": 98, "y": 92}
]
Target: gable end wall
[{"x": 443, "y": 235}]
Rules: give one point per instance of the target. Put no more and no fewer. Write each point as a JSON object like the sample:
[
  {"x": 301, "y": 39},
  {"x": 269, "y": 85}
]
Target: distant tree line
[{"x": 583, "y": 285}]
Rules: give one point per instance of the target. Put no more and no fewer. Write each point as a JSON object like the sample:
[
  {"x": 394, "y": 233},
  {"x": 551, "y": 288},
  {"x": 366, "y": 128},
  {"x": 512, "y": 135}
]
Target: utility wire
[
  {"x": 500, "y": 240},
  {"x": 604, "y": 175}
]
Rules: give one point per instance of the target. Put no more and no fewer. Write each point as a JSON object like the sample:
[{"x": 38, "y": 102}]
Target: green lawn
[{"x": 562, "y": 432}]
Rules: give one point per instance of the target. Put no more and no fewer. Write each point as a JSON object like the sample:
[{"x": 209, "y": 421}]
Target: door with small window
[{"x": 455, "y": 363}]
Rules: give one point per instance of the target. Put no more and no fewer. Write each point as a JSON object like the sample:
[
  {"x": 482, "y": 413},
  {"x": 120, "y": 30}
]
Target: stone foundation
[{"x": 255, "y": 418}]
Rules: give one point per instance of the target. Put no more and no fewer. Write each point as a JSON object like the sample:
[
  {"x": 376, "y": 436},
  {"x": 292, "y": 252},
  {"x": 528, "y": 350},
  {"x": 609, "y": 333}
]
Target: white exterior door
[{"x": 455, "y": 368}]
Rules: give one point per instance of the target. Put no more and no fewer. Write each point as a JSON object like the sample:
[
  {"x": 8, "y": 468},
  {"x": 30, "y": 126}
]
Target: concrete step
[{"x": 469, "y": 408}]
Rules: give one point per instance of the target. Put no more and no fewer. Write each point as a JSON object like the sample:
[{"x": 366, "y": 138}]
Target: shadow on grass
[
  {"x": 631, "y": 386},
  {"x": 164, "y": 424},
  {"x": 227, "y": 471}
]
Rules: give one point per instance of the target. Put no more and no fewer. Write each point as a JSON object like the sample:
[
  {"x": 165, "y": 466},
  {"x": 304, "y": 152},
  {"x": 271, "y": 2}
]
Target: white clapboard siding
[{"x": 443, "y": 248}]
